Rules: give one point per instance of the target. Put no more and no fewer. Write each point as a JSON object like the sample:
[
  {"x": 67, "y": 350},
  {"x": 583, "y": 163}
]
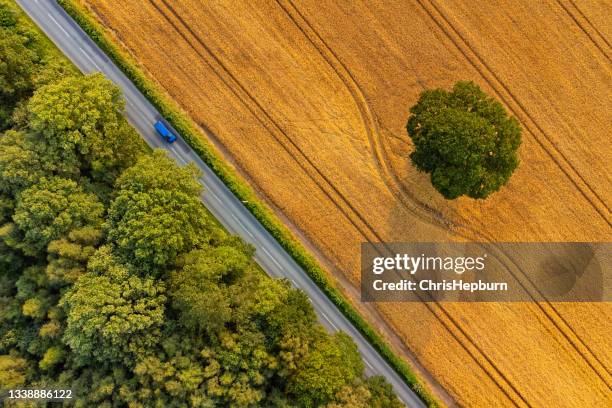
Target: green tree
[
  {"x": 67, "y": 257},
  {"x": 18, "y": 66},
  {"x": 239, "y": 368},
  {"x": 51, "y": 209},
  {"x": 153, "y": 220},
  {"x": 80, "y": 121},
  {"x": 159, "y": 172},
  {"x": 20, "y": 166},
  {"x": 115, "y": 316},
  {"x": 381, "y": 393},
  {"x": 465, "y": 140},
  {"x": 332, "y": 362},
  {"x": 200, "y": 289}
]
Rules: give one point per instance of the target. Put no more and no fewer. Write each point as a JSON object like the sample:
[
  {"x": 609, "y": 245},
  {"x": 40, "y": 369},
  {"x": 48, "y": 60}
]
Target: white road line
[
  {"x": 294, "y": 284},
  {"x": 58, "y": 24},
  {"x": 213, "y": 194},
  {"x": 90, "y": 59},
  {"x": 330, "y": 322},
  {"x": 368, "y": 364},
  {"x": 242, "y": 225},
  {"x": 174, "y": 150},
  {"x": 271, "y": 257}
]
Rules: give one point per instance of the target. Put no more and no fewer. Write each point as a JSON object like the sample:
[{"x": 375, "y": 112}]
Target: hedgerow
[{"x": 197, "y": 140}]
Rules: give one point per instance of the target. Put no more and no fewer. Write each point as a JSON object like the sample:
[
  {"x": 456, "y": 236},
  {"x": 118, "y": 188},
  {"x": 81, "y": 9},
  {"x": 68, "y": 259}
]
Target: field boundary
[{"x": 245, "y": 193}]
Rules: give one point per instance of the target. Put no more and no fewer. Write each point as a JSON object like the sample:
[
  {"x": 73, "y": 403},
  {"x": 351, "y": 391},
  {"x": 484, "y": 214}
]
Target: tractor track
[
  {"x": 257, "y": 109},
  {"x": 603, "y": 37},
  {"x": 440, "y": 313},
  {"x": 381, "y": 159},
  {"x": 583, "y": 29}
]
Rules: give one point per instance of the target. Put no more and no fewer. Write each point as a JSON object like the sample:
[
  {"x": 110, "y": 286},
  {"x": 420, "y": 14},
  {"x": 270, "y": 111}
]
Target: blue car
[{"x": 163, "y": 131}]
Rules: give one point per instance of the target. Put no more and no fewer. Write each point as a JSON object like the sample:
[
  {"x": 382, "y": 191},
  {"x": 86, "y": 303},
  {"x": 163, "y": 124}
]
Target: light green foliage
[
  {"x": 33, "y": 308},
  {"x": 151, "y": 223},
  {"x": 52, "y": 357},
  {"x": 164, "y": 383},
  {"x": 330, "y": 364},
  {"x": 113, "y": 317},
  {"x": 51, "y": 209},
  {"x": 239, "y": 368},
  {"x": 68, "y": 256},
  {"x": 20, "y": 166},
  {"x": 18, "y": 66},
  {"x": 352, "y": 397},
  {"x": 159, "y": 172},
  {"x": 465, "y": 140},
  {"x": 81, "y": 123}
]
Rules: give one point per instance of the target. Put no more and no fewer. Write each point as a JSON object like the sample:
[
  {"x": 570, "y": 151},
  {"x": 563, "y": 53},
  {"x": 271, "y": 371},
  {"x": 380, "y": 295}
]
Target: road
[{"x": 221, "y": 202}]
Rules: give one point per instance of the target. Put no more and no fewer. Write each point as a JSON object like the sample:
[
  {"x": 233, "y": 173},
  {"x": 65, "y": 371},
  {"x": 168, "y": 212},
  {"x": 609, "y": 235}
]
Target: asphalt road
[{"x": 86, "y": 55}]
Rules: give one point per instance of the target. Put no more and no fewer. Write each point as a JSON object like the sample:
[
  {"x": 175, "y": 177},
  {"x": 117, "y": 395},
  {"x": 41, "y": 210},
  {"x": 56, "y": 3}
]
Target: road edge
[{"x": 244, "y": 192}]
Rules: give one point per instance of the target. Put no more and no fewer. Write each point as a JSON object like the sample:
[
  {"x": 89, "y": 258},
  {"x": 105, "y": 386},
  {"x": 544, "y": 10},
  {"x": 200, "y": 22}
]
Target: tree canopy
[
  {"x": 114, "y": 279},
  {"x": 465, "y": 140}
]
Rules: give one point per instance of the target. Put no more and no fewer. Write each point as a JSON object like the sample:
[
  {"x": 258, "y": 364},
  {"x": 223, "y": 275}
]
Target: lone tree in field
[{"x": 464, "y": 139}]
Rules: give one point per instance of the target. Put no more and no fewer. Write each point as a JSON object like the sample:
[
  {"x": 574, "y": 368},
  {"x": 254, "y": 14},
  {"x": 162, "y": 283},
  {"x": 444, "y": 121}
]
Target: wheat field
[{"x": 309, "y": 99}]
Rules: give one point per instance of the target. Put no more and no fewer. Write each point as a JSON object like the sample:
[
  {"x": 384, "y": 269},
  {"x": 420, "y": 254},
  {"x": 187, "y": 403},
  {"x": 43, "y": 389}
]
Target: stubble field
[{"x": 308, "y": 99}]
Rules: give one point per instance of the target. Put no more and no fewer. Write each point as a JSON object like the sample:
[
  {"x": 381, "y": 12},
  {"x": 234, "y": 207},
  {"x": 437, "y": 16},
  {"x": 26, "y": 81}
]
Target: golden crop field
[{"x": 309, "y": 99}]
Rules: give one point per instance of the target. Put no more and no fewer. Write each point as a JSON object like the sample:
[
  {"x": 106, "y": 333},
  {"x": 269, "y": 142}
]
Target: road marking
[
  {"x": 214, "y": 195},
  {"x": 330, "y": 322},
  {"x": 294, "y": 284},
  {"x": 90, "y": 59},
  {"x": 368, "y": 364},
  {"x": 271, "y": 257},
  {"x": 179, "y": 157},
  {"x": 58, "y": 24},
  {"x": 242, "y": 225}
]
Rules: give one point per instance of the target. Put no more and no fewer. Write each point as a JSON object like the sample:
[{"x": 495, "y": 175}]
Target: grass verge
[{"x": 240, "y": 188}]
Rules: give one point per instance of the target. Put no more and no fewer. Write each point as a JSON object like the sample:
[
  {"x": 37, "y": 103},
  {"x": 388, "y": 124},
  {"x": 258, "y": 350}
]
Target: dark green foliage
[
  {"x": 200, "y": 289},
  {"x": 465, "y": 140}
]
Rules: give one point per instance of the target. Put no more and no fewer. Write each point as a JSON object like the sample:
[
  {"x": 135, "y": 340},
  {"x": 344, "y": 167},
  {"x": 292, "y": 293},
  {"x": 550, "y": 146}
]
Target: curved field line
[
  {"x": 573, "y": 17},
  {"x": 426, "y": 301},
  {"x": 549, "y": 147},
  {"x": 333, "y": 187},
  {"x": 374, "y": 135}
]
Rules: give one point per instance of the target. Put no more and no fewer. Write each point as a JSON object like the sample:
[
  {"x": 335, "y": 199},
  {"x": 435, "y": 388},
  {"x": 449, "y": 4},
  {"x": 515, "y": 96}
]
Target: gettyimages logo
[
  {"x": 413, "y": 264},
  {"x": 486, "y": 272}
]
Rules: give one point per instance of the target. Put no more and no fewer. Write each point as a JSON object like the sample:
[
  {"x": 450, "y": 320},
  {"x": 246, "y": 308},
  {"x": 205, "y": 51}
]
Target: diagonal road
[{"x": 86, "y": 55}]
